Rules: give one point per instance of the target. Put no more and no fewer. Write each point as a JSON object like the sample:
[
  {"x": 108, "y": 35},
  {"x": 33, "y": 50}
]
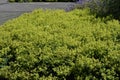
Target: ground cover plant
[{"x": 59, "y": 45}]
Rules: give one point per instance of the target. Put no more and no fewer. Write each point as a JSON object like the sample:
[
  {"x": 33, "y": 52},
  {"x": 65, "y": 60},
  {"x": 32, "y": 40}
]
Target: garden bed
[{"x": 59, "y": 45}]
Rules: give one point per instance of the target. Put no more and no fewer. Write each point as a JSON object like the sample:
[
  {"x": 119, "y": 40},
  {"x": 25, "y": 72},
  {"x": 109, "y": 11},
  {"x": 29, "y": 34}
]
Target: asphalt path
[
  {"x": 3, "y": 1},
  {"x": 9, "y": 11}
]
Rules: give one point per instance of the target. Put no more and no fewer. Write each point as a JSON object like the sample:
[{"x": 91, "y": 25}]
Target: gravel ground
[{"x": 12, "y": 10}]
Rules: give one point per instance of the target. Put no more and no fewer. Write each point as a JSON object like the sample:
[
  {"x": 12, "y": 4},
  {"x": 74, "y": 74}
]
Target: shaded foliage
[{"x": 102, "y": 8}]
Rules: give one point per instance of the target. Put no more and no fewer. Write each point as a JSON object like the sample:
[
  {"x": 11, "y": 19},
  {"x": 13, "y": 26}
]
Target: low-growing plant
[{"x": 59, "y": 45}]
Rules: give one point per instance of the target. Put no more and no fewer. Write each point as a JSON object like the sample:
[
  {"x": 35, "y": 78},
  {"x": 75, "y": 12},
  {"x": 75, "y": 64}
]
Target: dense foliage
[
  {"x": 114, "y": 8},
  {"x": 103, "y": 8},
  {"x": 59, "y": 45},
  {"x": 41, "y": 0}
]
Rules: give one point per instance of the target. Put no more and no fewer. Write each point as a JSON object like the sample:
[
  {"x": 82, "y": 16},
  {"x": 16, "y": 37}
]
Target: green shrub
[
  {"x": 59, "y": 45},
  {"x": 114, "y": 8},
  {"x": 103, "y": 8}
]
